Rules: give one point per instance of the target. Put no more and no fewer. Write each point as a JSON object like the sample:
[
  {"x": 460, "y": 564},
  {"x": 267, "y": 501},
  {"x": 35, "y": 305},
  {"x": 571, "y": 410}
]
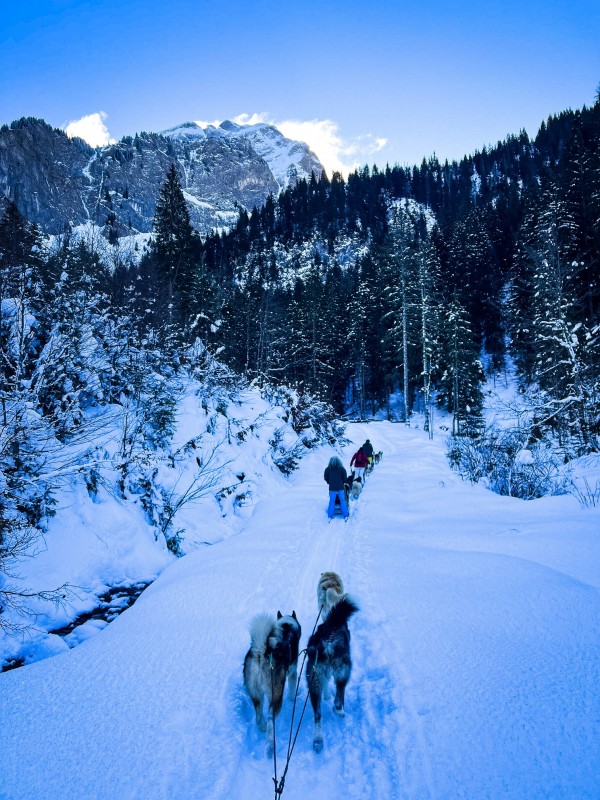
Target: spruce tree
[
  {"x": 170, "y": 269},
  {"x": 460, "y": 382},
  {"x": 559, "y": 334},
  {"x": 399, "y": 266}
]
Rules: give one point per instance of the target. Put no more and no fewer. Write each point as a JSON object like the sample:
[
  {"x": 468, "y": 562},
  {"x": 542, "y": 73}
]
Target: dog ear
[
  {"x": 279, "y": 615},
  {"x": 294, "y": 615}
]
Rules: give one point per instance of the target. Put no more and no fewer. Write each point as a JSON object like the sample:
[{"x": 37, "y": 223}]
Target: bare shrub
[{"x": 501, "y": 459}]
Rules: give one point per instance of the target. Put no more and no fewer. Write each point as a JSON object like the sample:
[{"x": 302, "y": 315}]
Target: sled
[{"x": 337, "y": 508}]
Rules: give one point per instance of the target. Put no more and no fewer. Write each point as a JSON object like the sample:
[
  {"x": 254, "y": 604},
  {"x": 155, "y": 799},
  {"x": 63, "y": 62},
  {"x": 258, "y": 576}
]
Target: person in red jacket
[{"x": 359, "y": 460}]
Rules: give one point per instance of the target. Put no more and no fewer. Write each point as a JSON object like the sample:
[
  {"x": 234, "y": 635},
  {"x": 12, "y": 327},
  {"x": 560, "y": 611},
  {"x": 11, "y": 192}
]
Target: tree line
[
  {"x": 394, "y": 291},
  {"x": 417, "y": 283}
]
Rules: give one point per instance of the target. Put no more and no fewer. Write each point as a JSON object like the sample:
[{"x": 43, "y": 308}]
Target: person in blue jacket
[{"x": 336, "y": 475}]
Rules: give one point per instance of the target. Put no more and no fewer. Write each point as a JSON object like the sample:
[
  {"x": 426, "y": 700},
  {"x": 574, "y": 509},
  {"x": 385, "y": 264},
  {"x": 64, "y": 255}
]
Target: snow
[
  {"x": 196, "y": 202},
  {"x": 524, "y": 457},
  {"x": 128, "y": 249},
  {"x": 476, "y": 663},
  {"x": 283, "y": 156},
  {"x": 187, "y": 130}
]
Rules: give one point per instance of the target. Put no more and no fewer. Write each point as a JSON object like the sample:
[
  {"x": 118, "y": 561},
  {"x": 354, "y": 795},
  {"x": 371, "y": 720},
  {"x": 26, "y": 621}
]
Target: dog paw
[
  {"x": 318, "y": 744},
  {"x": 339, "y": 711}
]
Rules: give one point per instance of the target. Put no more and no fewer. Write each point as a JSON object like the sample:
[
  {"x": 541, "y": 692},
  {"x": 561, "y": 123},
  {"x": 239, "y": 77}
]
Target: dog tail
[
  {"x": 261, "y": 627},
  {"x": 341, "y": 612},
  {"x": 332, "y": 597}
]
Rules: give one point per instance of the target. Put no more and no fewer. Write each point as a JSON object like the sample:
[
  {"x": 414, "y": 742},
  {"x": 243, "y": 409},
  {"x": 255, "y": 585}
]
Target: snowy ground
[{"x": 476, "y": 653}]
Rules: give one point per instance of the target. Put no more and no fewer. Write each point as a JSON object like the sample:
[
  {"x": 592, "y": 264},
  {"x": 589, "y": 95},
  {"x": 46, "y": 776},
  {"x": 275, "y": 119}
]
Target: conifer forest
[{"x": 392, "y": 292}]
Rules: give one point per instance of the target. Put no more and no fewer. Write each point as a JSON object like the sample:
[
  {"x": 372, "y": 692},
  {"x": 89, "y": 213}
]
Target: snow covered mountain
[
  {"x": 57, "y": 181},
  {"x": 288, "y": 160}
]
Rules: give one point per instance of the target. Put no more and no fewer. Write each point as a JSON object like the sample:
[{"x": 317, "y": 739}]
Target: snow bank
[{"x": 476, "y": 670}]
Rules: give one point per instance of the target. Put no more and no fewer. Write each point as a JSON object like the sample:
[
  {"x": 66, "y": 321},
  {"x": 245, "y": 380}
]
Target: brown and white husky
[{"x": 329, "y": 591}]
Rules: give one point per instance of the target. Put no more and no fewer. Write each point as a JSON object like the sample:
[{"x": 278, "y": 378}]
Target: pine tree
[
  {"x": 365, "y": 339},
  {"x": 460, "y": 383},
  {"x": 20, "y": 240},
  {"x": 314, "y": 334},
  {"x": 72, "y": 371},
  {"x": 475, "y": 276},
  {"x": 21, "y": 299},
  {"x": 408, "y": 269},
  {"x": 429, "y": 324},
  {"x": 170, "y": 269},
  {"x": 398, "y": 262},
  {"x": 559, "y": 335}
]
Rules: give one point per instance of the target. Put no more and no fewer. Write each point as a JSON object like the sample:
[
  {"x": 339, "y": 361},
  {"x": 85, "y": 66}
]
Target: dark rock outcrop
[{"x": 59, "y": 182}]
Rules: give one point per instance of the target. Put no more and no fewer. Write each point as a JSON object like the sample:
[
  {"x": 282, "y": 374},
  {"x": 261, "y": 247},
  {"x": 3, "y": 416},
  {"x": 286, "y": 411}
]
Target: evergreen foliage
[
  {"x": 169, "y": 271},
  {"x": 384, "y": 293},
  {"x": 405, "y": 282},
  {"x": 90, "y": 387}
]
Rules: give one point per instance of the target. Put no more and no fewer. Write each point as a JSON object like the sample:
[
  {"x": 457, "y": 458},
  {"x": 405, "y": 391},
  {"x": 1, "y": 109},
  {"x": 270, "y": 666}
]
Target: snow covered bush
[
  {"x": 588, "y": 494},
  {"x": 507, "y": 463},
  {"x": 285, "y": 458},
  {"x": 313, "y": 420}
]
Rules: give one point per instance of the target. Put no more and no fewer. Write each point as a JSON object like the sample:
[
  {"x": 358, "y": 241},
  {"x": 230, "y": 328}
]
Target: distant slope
[
  {"x": 288, "y": 160},
  {"x": 57, "y": 181}
]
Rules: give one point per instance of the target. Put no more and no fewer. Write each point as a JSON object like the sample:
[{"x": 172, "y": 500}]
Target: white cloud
[
  {"x": 324, "y": 138},
  {"x": 336, "y": 153},
  {"x": 204, "y": 124},
  {"x": 91, "y": 129},
  {"x": 252, "y": 119}
]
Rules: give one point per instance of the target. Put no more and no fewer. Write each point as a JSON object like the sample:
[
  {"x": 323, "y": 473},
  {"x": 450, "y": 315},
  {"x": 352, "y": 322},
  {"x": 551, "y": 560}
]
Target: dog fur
[
  {"x": 328, "y": 655},
  {"x": 377, "y": 457},
  {"x": 357, "y": 487},
  {"x": 272, "y": 657},
  {"x": 329, "y": 591}
]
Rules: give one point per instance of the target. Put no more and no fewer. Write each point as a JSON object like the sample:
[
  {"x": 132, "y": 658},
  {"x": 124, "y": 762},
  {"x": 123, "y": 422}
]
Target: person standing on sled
[
  {"x": 368, "y": 449},
  {"x": 335, "y": 475},
  {"x": 359, "y": 461}
]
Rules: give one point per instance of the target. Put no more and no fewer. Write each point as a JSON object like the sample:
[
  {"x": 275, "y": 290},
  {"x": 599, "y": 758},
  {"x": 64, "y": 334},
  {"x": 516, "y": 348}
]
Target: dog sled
[{"x": 337, "y": 508}]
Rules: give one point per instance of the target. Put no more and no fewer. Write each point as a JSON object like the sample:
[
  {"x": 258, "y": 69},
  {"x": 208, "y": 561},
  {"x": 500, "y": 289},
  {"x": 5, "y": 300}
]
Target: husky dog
[
  {"x": 329, "y": 591},
  {"x": 356, "y": 489},
  {"x": 329, "y": 656},
  {"x": 377, "y": 457},
  {"x": 272, "y": 657}
]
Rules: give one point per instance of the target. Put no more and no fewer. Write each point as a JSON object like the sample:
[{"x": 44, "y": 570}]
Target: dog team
[
  {"x": 343, "y": 486},
  {"x": 273, "y": 658}
]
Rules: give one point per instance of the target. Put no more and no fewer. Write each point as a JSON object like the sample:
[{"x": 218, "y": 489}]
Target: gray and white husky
[
  {"x": 272, "y": 657},
  {"x": 328, "y": 656}
]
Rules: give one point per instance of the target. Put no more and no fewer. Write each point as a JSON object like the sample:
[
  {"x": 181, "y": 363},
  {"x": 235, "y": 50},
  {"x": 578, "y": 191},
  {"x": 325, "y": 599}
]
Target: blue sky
[{"x": 363, "y": 82}]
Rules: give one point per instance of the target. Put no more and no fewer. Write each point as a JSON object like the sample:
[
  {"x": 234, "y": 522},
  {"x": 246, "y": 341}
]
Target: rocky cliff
[{"x": 59, "y": 182}]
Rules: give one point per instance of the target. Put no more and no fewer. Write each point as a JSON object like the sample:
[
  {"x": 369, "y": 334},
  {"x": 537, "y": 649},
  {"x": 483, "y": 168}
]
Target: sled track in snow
[
  {"x": 378, "y": 749},
  {"x": 380, "y": 745},
  {"x": 385, "y": 720}
]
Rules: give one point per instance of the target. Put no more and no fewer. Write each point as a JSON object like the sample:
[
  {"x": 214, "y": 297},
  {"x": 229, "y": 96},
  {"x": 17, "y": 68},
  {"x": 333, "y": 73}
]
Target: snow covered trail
[{"x": 476, "y": 660}]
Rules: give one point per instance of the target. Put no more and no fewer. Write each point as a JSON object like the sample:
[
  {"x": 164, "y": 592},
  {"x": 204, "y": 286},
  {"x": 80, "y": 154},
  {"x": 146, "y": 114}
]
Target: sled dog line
[{"x": 272, "y": 659}]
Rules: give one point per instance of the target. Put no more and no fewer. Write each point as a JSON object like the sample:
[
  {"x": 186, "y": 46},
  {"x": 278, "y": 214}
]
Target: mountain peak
[
  {"x": 229, "y": 126},
  {"x": 58, "y": 181},
  {"x": 187, "y": 130}
]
